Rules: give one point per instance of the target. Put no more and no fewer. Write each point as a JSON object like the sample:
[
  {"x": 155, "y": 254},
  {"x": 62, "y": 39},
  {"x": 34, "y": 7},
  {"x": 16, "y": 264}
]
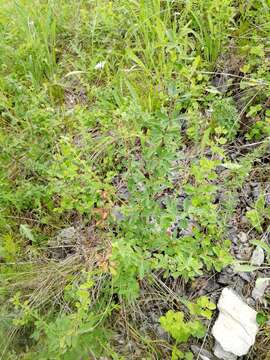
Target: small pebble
[
  {"x": 251, "y": 302},
  {"x": 225, "y": 279},
  {"x": 257, "y": 258},
  {"x": 202, "y": 353},
  {"x": 244, "y": 220},
  {"x": 243, "y": 237},
  {"x": 222, "y": 354},
  {"x": 116, "y": 213},
  {"x": 229, "y": 270},
  {"x": 235, "y": 240},
  {"x": 243, "y": 252},
  {"x": 267, "y": 199},
  {"x": 259, "y": 289},
  {"x": 245, "y": 276},
  {"x": 256, "y": 192}
]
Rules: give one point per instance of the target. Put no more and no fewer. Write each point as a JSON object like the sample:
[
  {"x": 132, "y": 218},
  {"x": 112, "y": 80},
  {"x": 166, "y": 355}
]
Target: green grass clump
[{"x": 112, "y": 130}]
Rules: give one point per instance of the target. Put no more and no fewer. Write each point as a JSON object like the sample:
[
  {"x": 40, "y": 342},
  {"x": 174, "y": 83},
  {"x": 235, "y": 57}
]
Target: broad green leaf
[
  {"x": 255, "y": 219},
  {"x": 261, "y": 318},
  {"x": 244, "y": 268},
  {"x": 232, "y": 166}
]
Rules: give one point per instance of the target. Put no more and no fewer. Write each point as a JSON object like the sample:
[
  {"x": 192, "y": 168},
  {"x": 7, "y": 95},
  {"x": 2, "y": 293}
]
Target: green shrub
[{"x": 225, "y": 116}]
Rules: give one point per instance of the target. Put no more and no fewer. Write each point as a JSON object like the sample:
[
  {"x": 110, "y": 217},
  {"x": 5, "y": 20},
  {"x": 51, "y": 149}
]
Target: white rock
[
  {"x": 236, "y": 327},
  {"x": 222, "y": 354},
  {"x": 257, "y": 258},
  {"x": 260, "y": 287}
]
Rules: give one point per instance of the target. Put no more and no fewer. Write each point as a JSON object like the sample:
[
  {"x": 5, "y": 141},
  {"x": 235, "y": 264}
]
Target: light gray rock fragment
[
  {"x": 245, "y": 276},
  {"x": 257, "y": 258},
  {"x": 251, "y": 302},
  {"x": 225, "y": 279},
  {"x": 202, "y": 357},
  {"x": 236, "y": 327},
  {"x": 243, "y": 237},
  {"x": 201, "y": 354},
  {"x": 67, "y": 234},
  {"x": 220, "y": 353},
  {"x": 116, "y": 213},
  {"x": 260, "y": 287}
]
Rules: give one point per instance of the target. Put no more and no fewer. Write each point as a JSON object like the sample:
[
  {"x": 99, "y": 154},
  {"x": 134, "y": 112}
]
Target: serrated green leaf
[{"x": 26, "y": 232}]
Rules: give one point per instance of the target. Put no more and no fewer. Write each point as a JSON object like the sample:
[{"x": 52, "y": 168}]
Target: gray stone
[
  {"x": 243, "y": 252},
  {"x": 225, "y": 279},
  {"x": 123, "y": 193},
  {"x": 245, "y": 276},
  {"x": 238, "y": 285},
  {"x": 256, "y": 191},
  {"x": 236, "y": 327},
  {"x": 220, "y": 353},
  {"x": 162, "y": 334},
  {"x": 204, "y": 357},
  {"x": 267, "y": 199},
  {"x": 243, "y": 237},
  {"x": 202, "y": 354},
  {"x": 116, "y": 213},
  {"x": 260, "y": 287},
  {"x": 211, "y": 287},
  {"x": 65, "y": 241},
  {"x": 229, "y": 270},
  {"x": 244, "y": 220},
  {"x": 257, "y": 258},
  {"x": 67, "y": 234},
  {"x": 251, "y": 302}
]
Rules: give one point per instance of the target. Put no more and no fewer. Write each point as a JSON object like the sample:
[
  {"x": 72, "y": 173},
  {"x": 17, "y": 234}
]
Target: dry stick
[
  {"x": 255, "y": 144},
  {"x": 204, "y": 339},
  {"x": 260, "y": 82},
  {"x": 162, "y": 284}
]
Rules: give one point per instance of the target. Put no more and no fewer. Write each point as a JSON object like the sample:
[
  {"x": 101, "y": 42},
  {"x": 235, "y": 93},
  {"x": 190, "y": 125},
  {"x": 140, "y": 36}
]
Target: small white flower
[{"x": 100, "y": 65}]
